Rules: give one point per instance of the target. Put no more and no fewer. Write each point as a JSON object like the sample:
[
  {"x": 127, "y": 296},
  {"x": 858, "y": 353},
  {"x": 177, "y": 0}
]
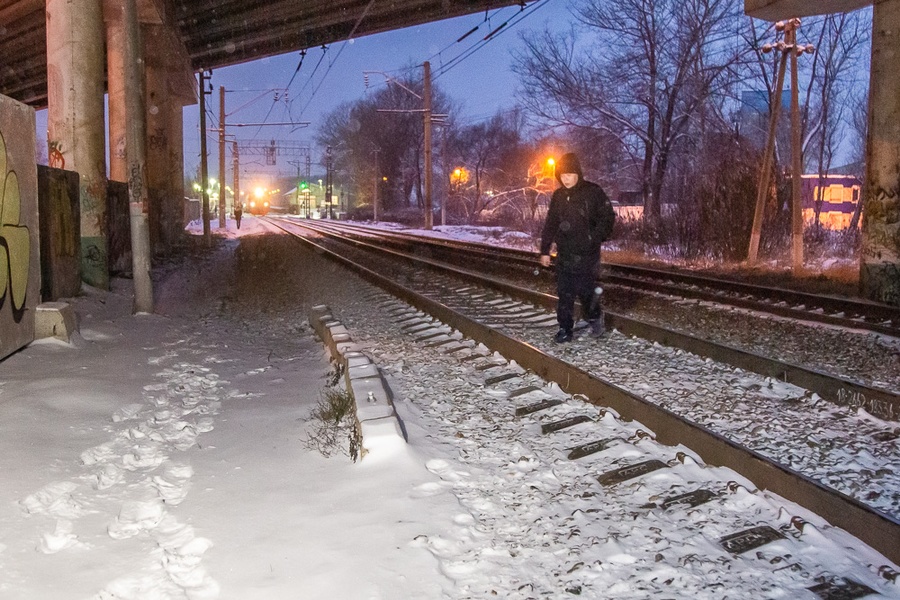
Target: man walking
[{"x": 579, "y": 220}]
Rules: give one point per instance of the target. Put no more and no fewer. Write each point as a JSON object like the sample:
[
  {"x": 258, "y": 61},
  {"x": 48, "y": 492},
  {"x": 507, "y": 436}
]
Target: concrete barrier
[
  {"x": 56, "y": 320},
  {"x": 377, "y": 424}
]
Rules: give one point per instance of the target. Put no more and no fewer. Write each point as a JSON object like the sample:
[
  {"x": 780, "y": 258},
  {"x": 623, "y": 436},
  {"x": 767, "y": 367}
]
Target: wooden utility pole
[
  {"x": 221, "y": 157},
  {"x": 204, "y": 173},
  {"x": 762, "y": 191},
  {"x": 427, "y": 93},
  {"x": 329, "y": 199},
  {"x": 237, "y": 183},
  {"x": 377, "y": 183},
  {"x": 796, "y": 152},
  {"x": 789, "y": 49}
]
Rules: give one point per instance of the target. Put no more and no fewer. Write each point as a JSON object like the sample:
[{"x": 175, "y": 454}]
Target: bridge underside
[
  {"x": 218, "y": 33},
  {"x": 776, "y": 10}
]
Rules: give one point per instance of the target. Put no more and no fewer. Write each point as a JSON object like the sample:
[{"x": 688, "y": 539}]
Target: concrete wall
[
  {"x": 20, "y": 266},
  {"x": 60, "y": 232}
]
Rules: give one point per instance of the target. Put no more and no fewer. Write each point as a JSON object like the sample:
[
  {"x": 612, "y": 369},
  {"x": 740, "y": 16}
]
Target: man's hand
[{"x": 545, "y": 260}]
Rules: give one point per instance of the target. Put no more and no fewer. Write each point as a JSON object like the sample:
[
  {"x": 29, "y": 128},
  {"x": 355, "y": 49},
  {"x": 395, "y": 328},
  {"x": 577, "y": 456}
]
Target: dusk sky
[{"x": 482, "y": 83}]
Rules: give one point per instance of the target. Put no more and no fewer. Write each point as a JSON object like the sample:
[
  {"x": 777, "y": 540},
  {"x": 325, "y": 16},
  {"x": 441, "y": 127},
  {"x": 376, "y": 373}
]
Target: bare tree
[
  {"x": 379, "y": 139},
  {"x": 642, "y": 70},
  {"x": 840, "y": 40},
  {"x": 491, "y": 153}
]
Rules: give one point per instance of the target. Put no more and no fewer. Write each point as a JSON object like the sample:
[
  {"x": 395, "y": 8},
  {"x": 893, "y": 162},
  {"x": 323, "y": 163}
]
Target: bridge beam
[{"x": 779, "y": 10}]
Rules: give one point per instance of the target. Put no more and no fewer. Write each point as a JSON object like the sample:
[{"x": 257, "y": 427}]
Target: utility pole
[
  {"x": 377, "y": 180},
  {"x": 429, "y": 217},
  {"x": 762, "y": 191},
  {"x": 328, "y": 183},
  {"x": 237, "y": 185},
  {"x": 204, "y": 174},
  {"x": 789, "y": 49},
  {"x": 796, "y": 152},
  {"x": 135, "y": 150},
  {"x": 297, "y": 164},
  {"x": 221, "y": 157},
  {"x": 307, "y": 192}
]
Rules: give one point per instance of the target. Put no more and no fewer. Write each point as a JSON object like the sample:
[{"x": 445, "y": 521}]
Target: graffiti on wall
[{"x": 15, "y": 242}]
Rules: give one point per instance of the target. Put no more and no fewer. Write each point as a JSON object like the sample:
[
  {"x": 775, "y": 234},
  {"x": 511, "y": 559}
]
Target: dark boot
[{"x": 563, "y": 335}]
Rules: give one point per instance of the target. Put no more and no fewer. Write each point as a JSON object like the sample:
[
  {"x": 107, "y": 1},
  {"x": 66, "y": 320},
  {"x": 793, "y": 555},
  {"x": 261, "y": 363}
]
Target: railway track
[
  {"x": 832, "y": 310},
  {"x": 881, "y": 401},
  {"x": 502, "y": 324}
]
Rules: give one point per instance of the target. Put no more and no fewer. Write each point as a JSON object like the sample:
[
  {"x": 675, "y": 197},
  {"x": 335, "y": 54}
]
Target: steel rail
[
  {"x": 859, "y": 314},
  {"x": 871, "y": 526},
  {"x": 881, "y": 403}
]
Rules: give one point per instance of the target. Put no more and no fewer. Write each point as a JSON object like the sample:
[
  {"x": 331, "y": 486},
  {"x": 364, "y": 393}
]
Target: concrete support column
[
  {"x": 170, "y": 85},
  {"x": 115, "y": 75},
  {"x": 158, "y": 143},
  {"x": 75, "y": 121},
  {"x": 173, "y": 206},
  {"x": 880, "y": 259}
]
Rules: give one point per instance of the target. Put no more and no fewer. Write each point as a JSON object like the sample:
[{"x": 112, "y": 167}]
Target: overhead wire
[
  {"x": 493, "y": 34},
  {"x": 340, "y": 50}
]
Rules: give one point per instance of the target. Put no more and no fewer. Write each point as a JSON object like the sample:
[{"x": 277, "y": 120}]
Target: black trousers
[{"x": 578, "y": 284}]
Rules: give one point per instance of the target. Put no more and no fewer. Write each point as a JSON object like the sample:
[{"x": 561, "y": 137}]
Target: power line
[
  {"x": 492, "y": 35},
  {"x": 340, "y": 50}
]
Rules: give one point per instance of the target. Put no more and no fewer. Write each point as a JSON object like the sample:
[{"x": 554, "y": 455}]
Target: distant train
[{"x": 258, "y": 206}]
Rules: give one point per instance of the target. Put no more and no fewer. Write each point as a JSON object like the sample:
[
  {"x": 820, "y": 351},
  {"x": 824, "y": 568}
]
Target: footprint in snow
[
  {"x": 136, "y": 517},
  {"x": 54, "y": 499},
  {"x": 61, "y": 538}
]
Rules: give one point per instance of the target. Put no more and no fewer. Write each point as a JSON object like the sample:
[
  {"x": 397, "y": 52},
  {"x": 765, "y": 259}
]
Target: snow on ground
[{"x": 163, "y": 457}]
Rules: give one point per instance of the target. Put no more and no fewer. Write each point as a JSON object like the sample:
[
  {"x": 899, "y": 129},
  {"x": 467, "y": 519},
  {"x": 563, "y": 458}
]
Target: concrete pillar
[
  {"x": 158, "y": 142},
  {"x": 75, "y": 121},
  {"x": 173, "y": 206},
  {"x": 115, "y": 75},
  {"x": 880, "y": 258},
  {"x": 170, "y": 85}
]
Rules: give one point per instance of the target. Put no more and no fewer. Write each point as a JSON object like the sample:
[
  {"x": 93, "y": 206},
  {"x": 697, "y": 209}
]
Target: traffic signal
[{"x": 304, "y": 185}]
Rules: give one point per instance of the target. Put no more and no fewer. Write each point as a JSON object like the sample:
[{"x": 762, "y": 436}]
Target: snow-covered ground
[{"x": 165, "y": 456}]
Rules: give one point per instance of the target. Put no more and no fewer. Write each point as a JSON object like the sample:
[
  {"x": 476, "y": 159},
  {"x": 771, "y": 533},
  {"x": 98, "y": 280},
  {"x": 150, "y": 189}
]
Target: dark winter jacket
[{"x": 579, "y": 220}]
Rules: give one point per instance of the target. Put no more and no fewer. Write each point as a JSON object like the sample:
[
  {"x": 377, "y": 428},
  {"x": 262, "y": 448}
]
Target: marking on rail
[
  {"x": 533, "y": 408},
  {"x": 840, "y": 588},
  {"x": 749, "y": 539},
  {"x": 590, "y": 448},
  {"x": 522, "y": 391},
  {"x": 489, "y": 365},
  {"x": 564, "y": 423},
  {"x": 430, "y": 336},
  {"x": 630, "y": 472},
  {"x": 440, "y": 342},
  {"x": 690, "y": 499},
  {"x": 474, "y": 357},
  {"x": 500, "y": 378}
]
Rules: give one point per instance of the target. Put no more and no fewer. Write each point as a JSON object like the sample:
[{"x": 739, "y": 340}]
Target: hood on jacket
[{"x": 569, "y": 164}]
